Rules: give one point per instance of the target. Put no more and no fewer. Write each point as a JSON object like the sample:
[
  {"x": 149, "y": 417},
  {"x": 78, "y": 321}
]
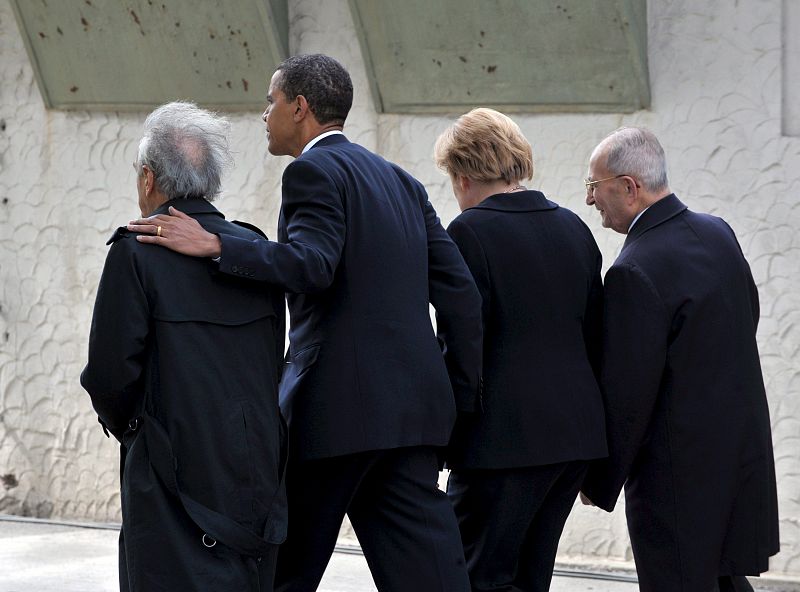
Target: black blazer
[
  {"x": 537, "y": 267},
  {"x": 361, "y": 255},
  {"x": 687, "y": 417}
]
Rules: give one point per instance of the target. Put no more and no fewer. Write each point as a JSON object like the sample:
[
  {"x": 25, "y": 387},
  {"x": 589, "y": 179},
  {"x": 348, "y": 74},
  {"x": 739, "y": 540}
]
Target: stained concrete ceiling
[
  {"x": 428, "y": 56},
  {"x": 422, "y": 56},
  {"x": 107, "y": 54}
]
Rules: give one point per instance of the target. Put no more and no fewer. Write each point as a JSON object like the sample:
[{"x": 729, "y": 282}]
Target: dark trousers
[
  {"x": 733, "y": 584},
  {"x": 511, "y": 520},
  {"x": 404, "y": 523}
]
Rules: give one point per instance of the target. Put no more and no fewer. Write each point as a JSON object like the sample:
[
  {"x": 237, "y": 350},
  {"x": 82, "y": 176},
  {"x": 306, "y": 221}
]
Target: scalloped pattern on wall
[{"x": 66, "y": 183}]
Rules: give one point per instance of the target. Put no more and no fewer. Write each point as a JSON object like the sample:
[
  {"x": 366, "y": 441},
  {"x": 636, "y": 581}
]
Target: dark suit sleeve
[
  {"x": 593, "y": 318},
  {"x": 314, "y": 218},
  {"x": 470, "y": 248},
  {"x": 117, "y": 342},
  {"x": 755, "y": 305},
  {"x": 280, "y": 332},
  {"x": 636, "y": 328},
  {"x": 458, "y": 313}
]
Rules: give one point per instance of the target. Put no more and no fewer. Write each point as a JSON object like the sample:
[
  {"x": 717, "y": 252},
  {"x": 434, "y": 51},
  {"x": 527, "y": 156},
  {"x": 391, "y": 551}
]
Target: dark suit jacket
[
  {"x": 361, "y": 255},
  {"x": 537, "y": 267},
  {"x": 687, "y": 417},
  {"x": 176, "y": 346}
]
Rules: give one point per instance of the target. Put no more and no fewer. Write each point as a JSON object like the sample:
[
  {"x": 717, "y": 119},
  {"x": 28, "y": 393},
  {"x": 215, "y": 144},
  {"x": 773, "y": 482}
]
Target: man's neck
[
  {"x": 650, "y": 198},
  {"x": 313, "y": 133},
  {"x": 646, "y": 200},
  {"x": 157, "y": 199}
]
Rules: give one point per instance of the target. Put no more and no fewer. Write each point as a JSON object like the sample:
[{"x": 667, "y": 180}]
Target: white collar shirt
[{"x": 319, "y": 137}]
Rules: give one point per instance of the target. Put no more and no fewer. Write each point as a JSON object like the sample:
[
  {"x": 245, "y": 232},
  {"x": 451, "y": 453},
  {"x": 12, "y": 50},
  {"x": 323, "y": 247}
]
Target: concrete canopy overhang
[
  {"x": 134, "y": 55},
  {"x": 445, "y": 56}
]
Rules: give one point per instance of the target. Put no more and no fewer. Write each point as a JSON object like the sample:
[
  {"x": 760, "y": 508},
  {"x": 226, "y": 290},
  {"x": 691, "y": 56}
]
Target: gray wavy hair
[
  {"x": 637, "y": 152},
  {"x": 187, "y": 149}
]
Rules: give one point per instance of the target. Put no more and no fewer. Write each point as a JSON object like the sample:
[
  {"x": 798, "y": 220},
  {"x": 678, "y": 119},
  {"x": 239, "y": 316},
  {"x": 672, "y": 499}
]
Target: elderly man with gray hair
[
  {"x": 687, "y": 418},
  {"x": 183, "y": 370}
]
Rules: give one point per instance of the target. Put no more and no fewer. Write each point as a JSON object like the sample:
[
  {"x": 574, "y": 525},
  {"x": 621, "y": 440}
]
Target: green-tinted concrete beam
[
  {"x": 446, "y": 56},
  {"x": 106, "y": 54}
]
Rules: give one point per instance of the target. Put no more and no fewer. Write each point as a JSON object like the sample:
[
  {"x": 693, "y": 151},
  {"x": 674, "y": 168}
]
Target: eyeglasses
[{"x": 590, "y": 184}]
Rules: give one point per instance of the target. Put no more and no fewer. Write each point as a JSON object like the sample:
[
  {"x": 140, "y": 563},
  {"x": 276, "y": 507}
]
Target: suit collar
[
  {"x": 188, "y": 206},
  {"x": 661, "y": 211},
  {"x": 316, "y": 139},
  {"x": 330, "y": 141},
  {"x": 521, "y": 201}
]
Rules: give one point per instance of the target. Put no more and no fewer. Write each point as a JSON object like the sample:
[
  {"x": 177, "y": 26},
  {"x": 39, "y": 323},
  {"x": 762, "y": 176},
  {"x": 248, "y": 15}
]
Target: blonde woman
[{"x": 517, "y": 466}]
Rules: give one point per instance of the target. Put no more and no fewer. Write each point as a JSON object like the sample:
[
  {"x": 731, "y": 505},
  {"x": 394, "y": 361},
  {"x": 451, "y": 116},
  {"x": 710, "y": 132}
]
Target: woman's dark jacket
[{"x": 537, "y": 267}]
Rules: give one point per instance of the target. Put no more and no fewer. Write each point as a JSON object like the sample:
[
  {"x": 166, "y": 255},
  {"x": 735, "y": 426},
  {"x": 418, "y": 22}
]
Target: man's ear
[
  {"x": 464, "y": 183},
  {"x": 631, "y": 187},
  {"x": 300, "y": 108},
  {"x": 149, "y": 179}
]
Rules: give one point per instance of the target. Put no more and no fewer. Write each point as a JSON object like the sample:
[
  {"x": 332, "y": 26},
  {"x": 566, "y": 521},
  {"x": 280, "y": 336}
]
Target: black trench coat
[{"x": 183, "y": 370}]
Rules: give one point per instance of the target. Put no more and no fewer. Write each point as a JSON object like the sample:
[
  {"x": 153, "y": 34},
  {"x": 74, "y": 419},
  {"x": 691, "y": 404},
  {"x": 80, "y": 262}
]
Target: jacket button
[{"x": 235, "y": 268}]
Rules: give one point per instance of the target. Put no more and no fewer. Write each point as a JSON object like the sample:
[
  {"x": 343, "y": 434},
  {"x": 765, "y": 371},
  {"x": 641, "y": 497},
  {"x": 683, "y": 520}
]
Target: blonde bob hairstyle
[{"x": 485, "y": 146}]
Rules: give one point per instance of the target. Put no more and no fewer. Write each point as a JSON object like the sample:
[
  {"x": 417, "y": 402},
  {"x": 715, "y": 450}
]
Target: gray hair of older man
[
  {"x": 637, "y": 152},
  {"x": 187, "y": 149}
]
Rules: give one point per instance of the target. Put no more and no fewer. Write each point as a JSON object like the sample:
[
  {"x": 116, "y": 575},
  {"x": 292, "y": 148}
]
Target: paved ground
[{"x": 42, "y": 557}]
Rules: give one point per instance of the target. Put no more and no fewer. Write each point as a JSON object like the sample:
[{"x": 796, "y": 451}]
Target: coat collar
[
  {"x": 661, "y": 211},
  {"x": 188, "y": 206},
  {"x": 521, "y": 201}
]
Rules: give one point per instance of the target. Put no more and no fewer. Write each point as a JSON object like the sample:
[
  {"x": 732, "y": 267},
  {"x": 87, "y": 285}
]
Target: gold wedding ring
[{"x": 158, "y": 231}]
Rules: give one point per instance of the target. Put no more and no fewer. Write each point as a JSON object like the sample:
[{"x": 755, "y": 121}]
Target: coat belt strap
[{"x": 217, "y": 526}]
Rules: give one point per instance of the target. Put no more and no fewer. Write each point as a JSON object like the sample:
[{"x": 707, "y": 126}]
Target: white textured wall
[{"x": 66, "y": 182}]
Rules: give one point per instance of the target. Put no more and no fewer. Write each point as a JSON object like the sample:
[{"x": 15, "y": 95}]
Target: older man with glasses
[{"x": 686, "y": 411}]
